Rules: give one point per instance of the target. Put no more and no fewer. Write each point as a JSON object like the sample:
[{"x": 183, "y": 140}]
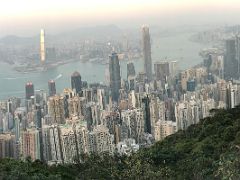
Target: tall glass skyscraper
[
  {"x": 76, "y": 82},
  {"x": 42, "y": 46},
  {"x": 230, "y": 62},
  {"x": 130, "y": 69},
  {"x": 237, "y": 44},
  {"x": 115, "y": 78},
  {"x": 147, "y": 118},
  {"x": 29, "y": 89},
  {"x": 51, "y": 88},
  {"x": 146, "y": 45}
]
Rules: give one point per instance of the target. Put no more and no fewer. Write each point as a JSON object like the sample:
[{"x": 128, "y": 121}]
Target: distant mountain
[
  {"x": 16, "y": 40},
  {"x": 96, "y": 33}
]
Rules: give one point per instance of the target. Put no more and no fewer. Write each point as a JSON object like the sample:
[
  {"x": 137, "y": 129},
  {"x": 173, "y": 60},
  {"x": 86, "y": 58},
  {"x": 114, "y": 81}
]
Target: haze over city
[{"x": 25, "y": 17}]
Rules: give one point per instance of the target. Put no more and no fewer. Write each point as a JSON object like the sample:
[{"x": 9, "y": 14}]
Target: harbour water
[{"x": 177, "y": 47}]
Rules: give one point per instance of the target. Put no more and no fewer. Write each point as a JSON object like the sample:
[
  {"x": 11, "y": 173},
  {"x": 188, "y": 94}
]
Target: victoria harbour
[{"x": 164, "y": 48}]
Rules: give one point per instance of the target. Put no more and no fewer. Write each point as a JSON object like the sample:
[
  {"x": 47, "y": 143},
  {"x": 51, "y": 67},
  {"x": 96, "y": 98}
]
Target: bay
[{"x": 177, "y": 47}]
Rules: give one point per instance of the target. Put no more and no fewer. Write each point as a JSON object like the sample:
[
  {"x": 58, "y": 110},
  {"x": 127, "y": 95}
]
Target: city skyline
[{"x": 119, "y": 89}]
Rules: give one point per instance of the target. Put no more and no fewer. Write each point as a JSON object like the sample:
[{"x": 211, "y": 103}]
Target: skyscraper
[
  {"x": 161, "y": 70},
  {"x": 42, "y": 46},
  {"x": 130, "y": 69},
  {"x": 51, "y": 143},
  {"x": 115, "y": 78},
  {"x": 191, "y": 84},
  {"x": 51, "y": 88},
  {"x": 230, "y": 62},
  {"x": 131, "y": 83},
  {"x": 146, "y": 45},
  {"x": 100, "y": 140},
  {"x": 7, "y": 145},
  {"x": 147, "y": 118},
  {"x": 56, "y": 109},
  {"x": 29, "y": 88},
  {"x": 68, "y": 143},
  {"x": 237, "y": 44},
  {"x": 30, "y": 144},
  {"x": 76, "y": 82},
  {"x": 38, "y": 116},
  {"x": 173, "y": 68}
]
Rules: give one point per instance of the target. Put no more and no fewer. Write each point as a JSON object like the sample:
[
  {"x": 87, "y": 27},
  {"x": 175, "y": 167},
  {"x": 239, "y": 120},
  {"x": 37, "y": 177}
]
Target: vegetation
[{"x": 208, "y": 150}]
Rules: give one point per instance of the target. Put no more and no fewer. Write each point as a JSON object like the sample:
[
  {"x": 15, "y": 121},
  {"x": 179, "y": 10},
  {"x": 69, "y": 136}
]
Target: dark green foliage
[{"x": 208, "y": 150}]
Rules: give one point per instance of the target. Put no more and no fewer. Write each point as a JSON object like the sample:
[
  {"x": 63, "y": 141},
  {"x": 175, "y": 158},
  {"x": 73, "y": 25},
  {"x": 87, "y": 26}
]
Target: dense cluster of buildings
[{"x": 120, "y": 116}]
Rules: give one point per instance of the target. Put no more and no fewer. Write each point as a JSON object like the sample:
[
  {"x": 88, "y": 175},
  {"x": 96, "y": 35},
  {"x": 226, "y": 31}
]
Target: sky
[{"x": 23, "y": 17}]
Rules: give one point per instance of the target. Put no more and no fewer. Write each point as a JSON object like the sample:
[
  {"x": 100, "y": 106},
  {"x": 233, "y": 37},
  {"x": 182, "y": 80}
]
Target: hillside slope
[{"x": 208, "y": 150}]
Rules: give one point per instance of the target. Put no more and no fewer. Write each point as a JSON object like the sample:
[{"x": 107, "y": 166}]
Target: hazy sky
[{"x": 27, "y": 16}]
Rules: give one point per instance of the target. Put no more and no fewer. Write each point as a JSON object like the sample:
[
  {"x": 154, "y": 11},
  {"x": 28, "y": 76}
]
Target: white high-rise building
[
  {"x": 100, "y": 140},
  {"x": 56, "y": 109},
  {"x": 164, "y": 129},
  {"x": 68, "y": 142},
  {"x": 133, "y": 122},
  {"x": 51, "y": 143},
  {"x": 207, "y": 106},
  {"x": 100, "y": 98},
  {"x": 7, "y": 145},
  {"x": 82, "y": 139},
  {"x": 74, "y": 106},
  {"x": 173, "y": 67}
]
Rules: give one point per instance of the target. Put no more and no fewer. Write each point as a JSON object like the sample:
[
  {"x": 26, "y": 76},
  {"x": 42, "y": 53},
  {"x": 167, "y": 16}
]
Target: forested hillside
[{"x": 208, "y": 150}]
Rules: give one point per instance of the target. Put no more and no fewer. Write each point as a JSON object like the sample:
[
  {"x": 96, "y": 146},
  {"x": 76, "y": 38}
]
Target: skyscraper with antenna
[{"x": 42, "y": 46}]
